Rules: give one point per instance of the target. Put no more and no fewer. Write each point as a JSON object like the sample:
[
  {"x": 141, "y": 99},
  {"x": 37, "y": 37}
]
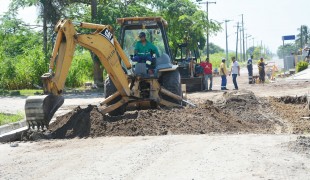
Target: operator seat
[{"x": 163, "y": 62}]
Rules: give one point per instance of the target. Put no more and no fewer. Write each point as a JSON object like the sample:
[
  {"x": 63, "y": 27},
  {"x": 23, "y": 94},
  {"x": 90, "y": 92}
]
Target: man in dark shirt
[
  {"x": 250, "y": 69},
  {"x": 261, "y": 70}
]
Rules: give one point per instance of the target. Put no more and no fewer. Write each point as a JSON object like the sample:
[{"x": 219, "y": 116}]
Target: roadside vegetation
[
  {"x": 25, "y": 52},
  {"x": 22, "y": 92},
  {"x": 10, "y": 118},
  {"x": 302, "y": 65}
]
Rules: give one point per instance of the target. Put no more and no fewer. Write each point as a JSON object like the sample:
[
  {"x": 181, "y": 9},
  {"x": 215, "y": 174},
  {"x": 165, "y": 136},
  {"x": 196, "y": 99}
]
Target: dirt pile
[
  {"x": 292, "y": 112},
  {"x": 293, "y": 100},
  {"x": 235, "y": 112}
]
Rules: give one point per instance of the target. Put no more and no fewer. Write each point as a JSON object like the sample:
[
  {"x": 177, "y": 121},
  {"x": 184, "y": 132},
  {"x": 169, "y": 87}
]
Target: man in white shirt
[{"x": 235, "y": 70}]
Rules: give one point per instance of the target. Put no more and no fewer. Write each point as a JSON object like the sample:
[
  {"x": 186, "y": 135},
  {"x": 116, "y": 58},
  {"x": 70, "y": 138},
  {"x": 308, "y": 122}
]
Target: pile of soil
[
  {"x": 292, "y": 112},
  {"x": 235, "y": 112},
  {"x": 293, "y": 100}
]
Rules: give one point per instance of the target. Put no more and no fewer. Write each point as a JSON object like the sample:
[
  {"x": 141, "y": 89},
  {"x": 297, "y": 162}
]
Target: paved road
[{"x": 15, "y": 105}]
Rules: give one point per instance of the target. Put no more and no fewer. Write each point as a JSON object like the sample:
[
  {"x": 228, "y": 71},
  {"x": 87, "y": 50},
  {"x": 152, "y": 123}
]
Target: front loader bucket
[{"x": 40, "y": 109}]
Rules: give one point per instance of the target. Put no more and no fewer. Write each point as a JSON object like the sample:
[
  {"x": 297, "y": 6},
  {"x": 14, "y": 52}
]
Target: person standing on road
[
  {"x": 250, "y": 69},
  {"x": 261, "y": 70},
  {"x": 235, "y": 71},
  {"x": 207, "y": 73},
  {"x": 223, "y": 74}
]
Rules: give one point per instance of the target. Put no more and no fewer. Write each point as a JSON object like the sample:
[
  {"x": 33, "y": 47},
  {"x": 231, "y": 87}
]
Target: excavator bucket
[{"x": 40, "y": 109}]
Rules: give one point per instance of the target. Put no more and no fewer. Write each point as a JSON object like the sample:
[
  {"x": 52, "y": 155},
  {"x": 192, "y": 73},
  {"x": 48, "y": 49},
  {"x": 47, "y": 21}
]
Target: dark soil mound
[
  {"x": 294, "y": 115},
  {"x": 236, "y": 112},
  {"x": 293, "y": 100}
]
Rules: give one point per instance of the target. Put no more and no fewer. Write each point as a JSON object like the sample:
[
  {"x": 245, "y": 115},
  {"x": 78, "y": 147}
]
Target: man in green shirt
[{"x": 144, "y": 51}]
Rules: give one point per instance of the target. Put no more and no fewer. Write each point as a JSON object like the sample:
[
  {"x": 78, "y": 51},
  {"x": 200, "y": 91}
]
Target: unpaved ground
[
  {"x": 230, "y": 135},
  {"x": 157, "y": 157}
]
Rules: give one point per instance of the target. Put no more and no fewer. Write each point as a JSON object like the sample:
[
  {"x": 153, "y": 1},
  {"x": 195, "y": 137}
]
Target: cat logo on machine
[{"x": 108, "y": 35}]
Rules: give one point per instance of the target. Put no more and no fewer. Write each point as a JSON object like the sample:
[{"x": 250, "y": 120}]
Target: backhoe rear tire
[
  {"x": 171, "y": 81},
  {"x": 109, "y": 89}
]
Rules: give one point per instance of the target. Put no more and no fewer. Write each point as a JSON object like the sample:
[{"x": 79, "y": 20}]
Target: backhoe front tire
[
  {"x": 109, "y": 89},
  {"x": 171, "y": 81}
]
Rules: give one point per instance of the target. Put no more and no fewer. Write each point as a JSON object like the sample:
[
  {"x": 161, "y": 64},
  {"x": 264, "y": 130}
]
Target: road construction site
[{"x": 260, "y": 131}]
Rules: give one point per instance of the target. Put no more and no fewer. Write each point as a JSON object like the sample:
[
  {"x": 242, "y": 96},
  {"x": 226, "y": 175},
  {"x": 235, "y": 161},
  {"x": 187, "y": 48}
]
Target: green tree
[
  {"x": 21, "y": 48},
  {"x": 214, "y": 49},
  {"x": 50, "y": 12},
  {"x": 302, "y": 36},
  {"x": 21, "y": 59},
  {"x": 185, "y": 19},
  {"x": 286, "y": 50}
]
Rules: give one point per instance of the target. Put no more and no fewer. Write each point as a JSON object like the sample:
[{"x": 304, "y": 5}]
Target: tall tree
[
  {"x": 185, "y": 19},
  {"x": 50, "y": 12},
  {"x": 21, "y": 57},
  {"x": 182, "y": 15},
  {"x": 214, "y": 49},
  {"x": 98, "y": 69},
  {"x": 303, "y": 36}
]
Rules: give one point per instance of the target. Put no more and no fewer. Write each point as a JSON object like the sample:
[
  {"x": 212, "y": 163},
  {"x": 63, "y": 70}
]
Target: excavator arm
[{"x": 40, "y": 109}]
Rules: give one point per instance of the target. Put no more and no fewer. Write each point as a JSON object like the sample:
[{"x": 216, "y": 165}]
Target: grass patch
[
  {"x": 31, "y": 92},
  {"x": 10, "y": 118},
  {"x": 22, "y": 92}
]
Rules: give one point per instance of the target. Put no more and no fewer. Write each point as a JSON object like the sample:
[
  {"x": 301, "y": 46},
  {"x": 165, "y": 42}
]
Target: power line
[{"x": 207, "y": 6}]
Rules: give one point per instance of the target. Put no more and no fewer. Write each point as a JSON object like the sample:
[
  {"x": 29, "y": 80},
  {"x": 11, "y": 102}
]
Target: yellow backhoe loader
[{"x": 127, "y": 86}]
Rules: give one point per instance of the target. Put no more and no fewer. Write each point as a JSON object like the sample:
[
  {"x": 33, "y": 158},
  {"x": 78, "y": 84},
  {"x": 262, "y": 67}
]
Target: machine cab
[{"x": 154, "y": 29}]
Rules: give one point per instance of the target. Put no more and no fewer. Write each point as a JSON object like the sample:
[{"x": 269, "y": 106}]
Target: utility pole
[
  {"x": 226, "y": 41},
  {"x": 237, "y": 41},
  {"x": 243, "y": 38},
  {"x": 240, "y": 44},
  {"x": 246, "y": 44},
  {"x": 207, "y": 10}
]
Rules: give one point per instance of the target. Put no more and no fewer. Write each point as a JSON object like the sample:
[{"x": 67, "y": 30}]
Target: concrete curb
[
  {"x": 12, "y": 135},
  {"x": 12, "y": 131},
  {"x": 12, "y": 126}
]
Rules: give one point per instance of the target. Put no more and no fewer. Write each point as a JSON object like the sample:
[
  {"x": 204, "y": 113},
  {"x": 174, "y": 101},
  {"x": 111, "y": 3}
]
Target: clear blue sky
[{"x": 265, "y": 20}]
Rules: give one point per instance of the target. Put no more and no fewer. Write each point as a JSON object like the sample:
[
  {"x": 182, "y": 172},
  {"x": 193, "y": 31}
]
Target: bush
[
  {"x": 81, "y": 69},
  {"x": 216, "y": 59},
  {"x": 302, "y": 65},
  {"x": 24, "y": 71}
]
